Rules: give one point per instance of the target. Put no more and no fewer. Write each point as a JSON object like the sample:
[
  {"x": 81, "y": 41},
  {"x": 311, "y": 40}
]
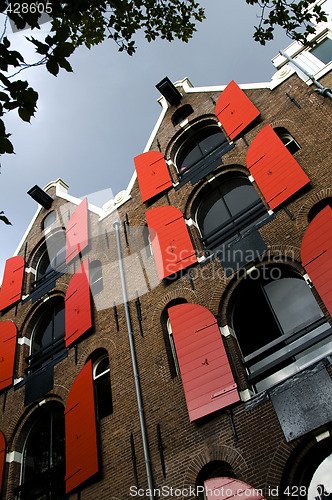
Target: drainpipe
[
  {"x": 325, "y": 91},
  {"x": 116, "y": 226}
]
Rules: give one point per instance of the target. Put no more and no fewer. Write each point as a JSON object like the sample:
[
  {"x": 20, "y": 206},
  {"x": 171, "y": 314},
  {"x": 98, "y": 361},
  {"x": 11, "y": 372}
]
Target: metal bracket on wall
[
  {"x": 190, "y": 280},
  {"x": 116, "y": 317},
  {"x": 139, "y": 314},
  {"x": 75, "y": 347},
  {"x": 125, "y": 232},
  {"x": 4, "y": 402},
  {"x": 230, "y": 414},
  {"x": 133, "y": 458},
  {"x": 293, "y": 100},
  {"x": 161, "y": 450},
  {"x": 290, "y": 215}
]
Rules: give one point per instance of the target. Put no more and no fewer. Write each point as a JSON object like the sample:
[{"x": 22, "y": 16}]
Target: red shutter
[
  {"x": 227, "y": 488},
  {"x": 11, "y": 287},
  {"x": 78, "y": 305},
  {"x": 2, "y": 456},
  {"x": 8, "y": 339},
  {"x": 234, "y": 110},
  {"x": 277, "y": 173},
  {"x": 77, "y": 231},
  {"x": 171, "y": 243},
  {"x": 316, "y": 254},
  {"x": 81, "y": 433},
  {"x": 152, "y": 174},
  {"x": 207, "y": 378}
]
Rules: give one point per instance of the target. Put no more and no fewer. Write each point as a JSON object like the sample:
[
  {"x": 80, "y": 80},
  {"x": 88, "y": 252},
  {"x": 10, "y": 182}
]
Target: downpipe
[{"x": 147, "y": 460}]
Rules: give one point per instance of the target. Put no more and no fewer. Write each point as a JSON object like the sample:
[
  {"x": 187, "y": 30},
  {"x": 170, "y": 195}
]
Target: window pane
[
  {"x": 239, "y": 194},
  {"x": 213, "y": 212},
  {"x": 104, "y": 395},
  {"x": 43, "y": 333},
  {"x": 49, "y": 219},
  {"x": 323, "y": 51},
  {"x": 201, "y": 142},
  {"x": 102, "y": 366},
  {"x": 293, "y": 303},
  {"x": 59, "y": 321}
]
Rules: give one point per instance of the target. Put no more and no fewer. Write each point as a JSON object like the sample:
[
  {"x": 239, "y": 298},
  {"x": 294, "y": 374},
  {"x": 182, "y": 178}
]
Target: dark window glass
[
  {"x": 279, "y": 325},
  {"x": 211, "y": 470},
  {"x": 181, "y": 114},
  {"x": 102, "y": 385},
  {"x": 201, "y": 141},
  {"x": 96, "y": 277},
  {"x": 323, "y": 51},
  {"x": 54, "y": 256},
  {"x": 44, "y": 458},
  {"x": 229, "y": 202},
  {"x": 48, "y": 335},
  {"x": 49, "y": 219},
  {"x": 318, "y": 207},
  {"x": 287, "y": 139}
]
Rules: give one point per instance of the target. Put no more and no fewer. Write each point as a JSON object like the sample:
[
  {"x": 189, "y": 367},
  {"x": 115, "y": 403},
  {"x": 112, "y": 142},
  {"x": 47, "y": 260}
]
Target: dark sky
[{"x": 91, "y": 123}]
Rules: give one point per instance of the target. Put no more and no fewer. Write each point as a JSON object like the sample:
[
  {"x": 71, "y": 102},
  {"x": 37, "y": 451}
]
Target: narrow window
[
  {"x": 102, "y": 385},
  {"x": 323, "y": 51},
  {"x": 181, "y": 114},
  {"x": 172, "y": 345},
  {"x": 96, "y": 277},
  {"x": 49, "y": 220},
  {"x": 288, "y": 140}
]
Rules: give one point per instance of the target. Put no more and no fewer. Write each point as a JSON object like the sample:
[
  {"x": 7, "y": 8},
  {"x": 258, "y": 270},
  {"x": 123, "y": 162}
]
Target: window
[
  {"x": 323, "y": 51},
  {"x": 168, "y": 338},
  {"x": 287, "y": 139},
  {"x": 43, "y": 468},
  {"x": 48, "y": 335},
  {"x": 181, "y": 114},
  {"x": 147, "y": 241},
  {"x": 279, "y": 326},
  {"x": 96, "y": 277},
  {"x": 53, "y": 257},
  {"x": 102, "y": 384},
  {"x": 214, "y": 469},
  {"x": 202, "y": 146},
  {"x": 230, "y": 206},
  {"x": 318, "y": 207},
  {"x": 49, "y": 220}
]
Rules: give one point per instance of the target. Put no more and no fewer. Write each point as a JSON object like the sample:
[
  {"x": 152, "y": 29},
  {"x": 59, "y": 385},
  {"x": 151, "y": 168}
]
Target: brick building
[{"x": 181, "y": 334}]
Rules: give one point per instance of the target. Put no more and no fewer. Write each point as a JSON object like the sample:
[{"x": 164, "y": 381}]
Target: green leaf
[
  {"x": 52, "y": 66},
  {"x": 4, "y": 219},
  {"x": 6, "y": 146},
  {"x": 24, "y": 114}
]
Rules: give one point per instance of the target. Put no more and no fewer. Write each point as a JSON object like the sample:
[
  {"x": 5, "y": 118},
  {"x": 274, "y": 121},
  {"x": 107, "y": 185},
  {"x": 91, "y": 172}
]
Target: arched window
[
  {"x": 279, "y": 325},
  {"x": 53, "y": 257},
  {"x": 200, "y": 142},
  {"x": 214, "y": 469},
  {"x": 96, "y": 277},
  {"x": 147, "y": 241},
  {"x": 49, "y": 220},
  {"x": 287, "y": 139},
  {"x": 48, "y": 335},
  {"x": 181, "y": 114},
  {"x": 318, "y": 207},
  {"x": 43, "y": 468},
  {"x": 202, "y": 146},
  {"x": 168, "y": 338},
  {"x": 230, "y": 206},
  {"x": 102, "y": 383}
]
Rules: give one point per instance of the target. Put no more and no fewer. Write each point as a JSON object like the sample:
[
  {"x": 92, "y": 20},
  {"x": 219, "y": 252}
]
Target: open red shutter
[
  {"x": 81, "y": 433},
  {"x": 8, "y": 339},
  {"x": 78, "y": 305},
  {"x": 234, "y": 110},
  {"x": 152, "y": 174},
  {"x": 316, "y": 254},
  {"x": 207, "y": 378},
  {"x": 171, "y": 243},
  {"x": 11, "y": 287},
  {"x": 77, "y": 231},
  {"x": 277, "y": 173},
  {"x": 2, "y": 457},
  {"x": 227, "y": 488}
]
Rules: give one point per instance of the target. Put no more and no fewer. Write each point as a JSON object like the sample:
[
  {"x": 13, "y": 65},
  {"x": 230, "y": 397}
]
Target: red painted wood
[
  {"x": 276, "y": 172},
  {"x": 11, "y": 288},
  {"x": 77, "y": 231},
  {"x": 234, "y": 110},
  {"x": 78, "y": 305},
  {"x": 8, "y": 340},
  {"x": 228, "y": 488},
  {"x": 171, "y": 243},
  {"x": 207, "y": 378},
  {"x": 152, "y": 174},
  {"x": 81, "y": 433},
  {"x": 316, "y": 254},
  {"x": 2, "y": 457}
]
